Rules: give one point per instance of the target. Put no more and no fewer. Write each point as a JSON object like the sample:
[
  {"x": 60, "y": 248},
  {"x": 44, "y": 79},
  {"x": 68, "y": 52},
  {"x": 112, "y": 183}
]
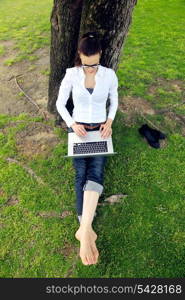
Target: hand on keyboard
[
  {"x": 79, "y": 129},
  {"x": 106, "y": 129}
]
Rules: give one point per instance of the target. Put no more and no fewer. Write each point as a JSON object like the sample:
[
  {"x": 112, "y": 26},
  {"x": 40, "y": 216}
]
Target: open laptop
[{"x": 90, "y": 145}]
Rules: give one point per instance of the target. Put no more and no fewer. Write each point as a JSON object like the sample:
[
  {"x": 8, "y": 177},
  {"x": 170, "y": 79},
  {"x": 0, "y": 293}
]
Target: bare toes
[
  {"x": 95, "y": 252},
  {"x": 84, "y": 260},
  {"x": 88, "y": 260}
]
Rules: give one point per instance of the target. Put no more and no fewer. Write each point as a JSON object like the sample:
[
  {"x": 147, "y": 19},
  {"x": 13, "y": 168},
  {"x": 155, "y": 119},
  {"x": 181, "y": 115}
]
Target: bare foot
[
  {"x": 88, "y": 251},
  {"x": 80, "y": 231}
]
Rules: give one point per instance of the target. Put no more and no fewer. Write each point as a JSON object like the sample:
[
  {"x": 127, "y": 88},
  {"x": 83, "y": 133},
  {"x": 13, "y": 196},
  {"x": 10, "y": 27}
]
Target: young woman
[{"x": 91, "y": 84}]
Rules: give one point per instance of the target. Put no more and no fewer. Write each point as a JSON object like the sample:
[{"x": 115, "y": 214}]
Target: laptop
[{"x": 90, "y": 145}]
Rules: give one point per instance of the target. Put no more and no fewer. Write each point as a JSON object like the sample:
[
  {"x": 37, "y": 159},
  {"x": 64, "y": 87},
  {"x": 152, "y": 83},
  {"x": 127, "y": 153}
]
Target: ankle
[{"x": 85, "y": 227}]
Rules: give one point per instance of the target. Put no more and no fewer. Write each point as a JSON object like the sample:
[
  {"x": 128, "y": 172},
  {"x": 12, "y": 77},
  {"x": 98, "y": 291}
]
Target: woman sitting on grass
[{"x": 91, "y": 84}]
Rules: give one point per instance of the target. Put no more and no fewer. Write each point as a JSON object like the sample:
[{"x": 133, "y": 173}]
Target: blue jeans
[{"x": 89, "y": 173}]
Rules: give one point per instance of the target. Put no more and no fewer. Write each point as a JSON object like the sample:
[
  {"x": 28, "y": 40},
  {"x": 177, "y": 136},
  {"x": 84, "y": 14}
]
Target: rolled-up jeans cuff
[{"x": 93, "y": 186}]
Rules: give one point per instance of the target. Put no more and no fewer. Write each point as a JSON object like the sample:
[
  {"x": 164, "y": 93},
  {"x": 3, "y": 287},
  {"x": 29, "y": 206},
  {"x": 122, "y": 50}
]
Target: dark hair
[{"x": 89, "y": 44}]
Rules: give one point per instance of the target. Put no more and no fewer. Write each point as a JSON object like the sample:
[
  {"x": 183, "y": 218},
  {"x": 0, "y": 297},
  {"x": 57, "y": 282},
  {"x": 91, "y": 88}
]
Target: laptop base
[{"x": 89, "y": 155}]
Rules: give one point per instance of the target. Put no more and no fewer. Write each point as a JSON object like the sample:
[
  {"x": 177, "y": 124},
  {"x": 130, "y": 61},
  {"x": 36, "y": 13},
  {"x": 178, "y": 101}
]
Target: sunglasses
[{"x": 90, "y": 66}]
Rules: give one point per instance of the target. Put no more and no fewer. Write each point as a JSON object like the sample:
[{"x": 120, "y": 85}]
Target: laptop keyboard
[{"x": 90, "y": 147}]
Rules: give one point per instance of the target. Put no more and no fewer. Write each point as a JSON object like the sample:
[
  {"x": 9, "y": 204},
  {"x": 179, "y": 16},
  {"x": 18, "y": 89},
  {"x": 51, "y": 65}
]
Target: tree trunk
[
  {"x": 69, "y": 20},
  {"x": 65, "y": 23}
]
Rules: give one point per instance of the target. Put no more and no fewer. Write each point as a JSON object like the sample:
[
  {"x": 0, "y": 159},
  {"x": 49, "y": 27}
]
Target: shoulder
[
  {"x": 106, "y": 72},
  {"x": 113, "y": 77},
  {"x": 109, "y": 71},
  {"x": 112, "y": 72},
  {"x": 71, "y": 70}
]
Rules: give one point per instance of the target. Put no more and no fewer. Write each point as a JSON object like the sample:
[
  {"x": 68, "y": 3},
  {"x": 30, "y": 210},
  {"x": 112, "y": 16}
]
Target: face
[{"x": 90, "y": 60}]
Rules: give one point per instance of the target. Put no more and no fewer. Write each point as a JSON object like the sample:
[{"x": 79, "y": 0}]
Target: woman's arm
[
  {"x": 113, "y": 95},
  {"x": 106, "y": 129},
  {"x": 63, "y": 95}
]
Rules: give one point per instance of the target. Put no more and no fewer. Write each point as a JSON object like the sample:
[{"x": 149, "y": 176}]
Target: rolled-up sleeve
[
  {"x": 63, "y": 96},
  {"x": 113, "y": 95}
]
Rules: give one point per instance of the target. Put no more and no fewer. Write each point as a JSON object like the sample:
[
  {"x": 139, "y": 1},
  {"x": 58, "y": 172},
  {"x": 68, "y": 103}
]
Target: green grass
[
  {"x": 143, "y": 236},
  {"x": 27, "y": 23},
  {"x": 154, "y": 49}
]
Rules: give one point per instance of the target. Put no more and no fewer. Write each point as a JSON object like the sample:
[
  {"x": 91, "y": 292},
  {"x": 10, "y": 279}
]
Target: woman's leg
[
  {"x": 80, "y": 165},
  {"x": 92, "y": 190},
  {"x": 94, "y": 181}
]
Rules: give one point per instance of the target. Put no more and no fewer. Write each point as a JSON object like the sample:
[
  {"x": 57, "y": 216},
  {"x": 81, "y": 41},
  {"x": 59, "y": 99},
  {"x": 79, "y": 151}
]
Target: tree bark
[
  {"x": 69, "y": 20},
  {"x": 65, "y": 23}
]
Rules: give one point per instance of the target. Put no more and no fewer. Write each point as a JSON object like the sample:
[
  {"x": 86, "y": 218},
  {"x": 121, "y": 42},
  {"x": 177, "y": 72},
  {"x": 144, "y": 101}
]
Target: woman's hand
[
  {"x": 79, "y": 129},
  {"x": 106, "y": 129}
]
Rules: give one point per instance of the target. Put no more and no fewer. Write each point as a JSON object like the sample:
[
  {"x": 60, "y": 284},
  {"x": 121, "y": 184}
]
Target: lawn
[{"x": 143, "y": 235}]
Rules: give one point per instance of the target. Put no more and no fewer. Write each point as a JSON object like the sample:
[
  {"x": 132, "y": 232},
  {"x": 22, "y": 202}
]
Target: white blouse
[{"x": 88, "y": 108}]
